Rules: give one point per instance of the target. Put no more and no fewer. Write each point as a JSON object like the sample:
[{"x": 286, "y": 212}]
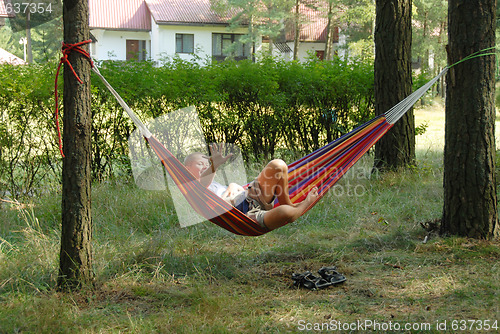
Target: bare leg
[
  {"x": 285, "y": 213},
  {"x": 273, "y": 180}
]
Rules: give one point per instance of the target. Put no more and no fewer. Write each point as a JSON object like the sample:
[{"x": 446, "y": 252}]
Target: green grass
[{"x": 154, "y": 277}]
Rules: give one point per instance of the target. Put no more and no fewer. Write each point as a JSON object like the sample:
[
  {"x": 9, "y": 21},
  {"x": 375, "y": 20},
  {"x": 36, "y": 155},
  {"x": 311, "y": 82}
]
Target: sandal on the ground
[
  {"x": 305, "y": 280},
  {"x": 309, "y": 281},
  {"x": 331, "y": 275}
]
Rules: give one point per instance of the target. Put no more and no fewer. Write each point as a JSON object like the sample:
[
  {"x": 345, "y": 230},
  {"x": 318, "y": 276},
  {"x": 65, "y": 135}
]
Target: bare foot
[{"x": 313, "y": 195}]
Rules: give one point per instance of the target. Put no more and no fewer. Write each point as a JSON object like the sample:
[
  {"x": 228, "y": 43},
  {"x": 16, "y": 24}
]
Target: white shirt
[{"x": 217, "y": 188}]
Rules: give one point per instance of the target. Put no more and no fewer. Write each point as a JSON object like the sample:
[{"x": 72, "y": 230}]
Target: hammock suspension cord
[{"x": 396, "y": 112}]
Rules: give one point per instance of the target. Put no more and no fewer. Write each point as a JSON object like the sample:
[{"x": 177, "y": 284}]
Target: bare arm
[
  {"x": 217, "y": 159},
  {"x": 232, "y": 190}
]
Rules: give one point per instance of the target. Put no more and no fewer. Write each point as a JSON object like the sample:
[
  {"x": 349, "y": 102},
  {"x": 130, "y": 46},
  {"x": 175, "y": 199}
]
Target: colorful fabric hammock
[{"x": 321, "y": 168}]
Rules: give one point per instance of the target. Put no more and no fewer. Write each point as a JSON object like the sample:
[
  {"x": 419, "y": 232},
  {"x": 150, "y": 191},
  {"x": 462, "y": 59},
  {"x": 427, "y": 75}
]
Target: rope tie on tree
[{"x": 67, "y": 48}]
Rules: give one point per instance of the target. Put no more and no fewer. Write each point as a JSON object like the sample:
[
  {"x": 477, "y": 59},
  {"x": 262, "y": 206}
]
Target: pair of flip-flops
[{"x": 328, "y": 276}]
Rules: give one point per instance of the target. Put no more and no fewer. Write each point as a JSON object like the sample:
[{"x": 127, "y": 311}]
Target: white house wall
[
  {"x": 155, "y": 36},
  {"x": 111, "y": 44},
  {"x": 305, "y": 48},
  {"x": 164, "y": 46},
  {"x": 160, "y": 42}
]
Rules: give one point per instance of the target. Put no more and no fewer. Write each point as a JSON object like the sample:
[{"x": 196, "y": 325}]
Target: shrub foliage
[{"x": 269, "y": 108}]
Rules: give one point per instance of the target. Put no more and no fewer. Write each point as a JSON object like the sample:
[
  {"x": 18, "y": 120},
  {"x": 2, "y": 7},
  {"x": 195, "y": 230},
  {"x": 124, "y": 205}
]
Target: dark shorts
[{"x": 249, "y": 203}]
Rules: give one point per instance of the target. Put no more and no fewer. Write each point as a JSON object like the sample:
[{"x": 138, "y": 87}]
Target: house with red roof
[
  {"x": 121, "y": 29},
  {"x": 3, "y": 12},
  {"x": 312, "y": 34},
  {"x": 155, "y": 29}
]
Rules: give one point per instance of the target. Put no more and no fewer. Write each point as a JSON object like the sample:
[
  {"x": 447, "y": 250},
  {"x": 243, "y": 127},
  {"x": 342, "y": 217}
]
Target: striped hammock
[{"x": 321, "y": 168}]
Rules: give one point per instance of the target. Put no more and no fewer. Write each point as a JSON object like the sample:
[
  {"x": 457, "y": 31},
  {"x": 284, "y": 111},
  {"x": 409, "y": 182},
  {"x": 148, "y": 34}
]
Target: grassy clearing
[{"x": 152, "y": 276}]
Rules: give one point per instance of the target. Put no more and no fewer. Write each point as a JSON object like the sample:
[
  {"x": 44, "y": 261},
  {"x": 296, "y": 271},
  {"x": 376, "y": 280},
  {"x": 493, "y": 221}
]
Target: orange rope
[{"x": 66, "y": 50}]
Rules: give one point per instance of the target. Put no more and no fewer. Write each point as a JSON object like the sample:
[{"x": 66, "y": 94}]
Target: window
[
  {"x": 229, "y": 45},
  {"x": 184, "y": 43},
  {"x": 136, "y": 49}
]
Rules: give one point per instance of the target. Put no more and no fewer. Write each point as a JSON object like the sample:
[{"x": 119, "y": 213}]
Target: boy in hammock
[{"x": 257, "y": 202}]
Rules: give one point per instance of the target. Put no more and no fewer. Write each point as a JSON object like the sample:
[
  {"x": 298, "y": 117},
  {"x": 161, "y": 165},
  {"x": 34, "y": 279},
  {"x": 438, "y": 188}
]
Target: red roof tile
[
  {"x": 3, "y": 10},
  {"x": 314, "y": 25},
  {"x": 119, "y": 14},
  {"x": 185, "y": 11}
]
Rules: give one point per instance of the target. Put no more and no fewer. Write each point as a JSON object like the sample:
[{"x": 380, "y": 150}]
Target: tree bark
[
  {"x": 393, "y": 81},
  {"x": 470, "y": 201},
  {"x": 76, "y": 248},
  {"x": 297, "y": 24},
  {"x": 29, "y": 49},
  {"x": 329, "y": 32}
]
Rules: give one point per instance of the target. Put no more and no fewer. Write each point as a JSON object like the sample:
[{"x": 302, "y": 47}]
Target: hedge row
[{"x": 266, "y": 108}]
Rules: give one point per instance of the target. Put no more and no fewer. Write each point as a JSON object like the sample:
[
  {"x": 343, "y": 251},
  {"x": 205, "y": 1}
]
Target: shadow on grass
[{"x": 186, "y": 280}]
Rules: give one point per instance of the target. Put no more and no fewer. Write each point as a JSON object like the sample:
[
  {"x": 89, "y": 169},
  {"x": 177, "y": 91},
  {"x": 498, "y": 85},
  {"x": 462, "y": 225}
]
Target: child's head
[{"x": 196, "y": 163}]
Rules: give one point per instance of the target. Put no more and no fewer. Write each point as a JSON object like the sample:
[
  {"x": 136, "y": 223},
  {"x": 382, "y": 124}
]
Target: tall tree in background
[
  {"x": 470, "y": 201},
  {"x": 429, "y": 34},
  {"x": 76, "y": 249},
  {"x": 393, "y": 81},
  {"x": 265, "y": 18},
  {"x": 273, "y": 18},
  {"x": 297, "y": 28},
  {"x": 358, "y": 26},
  {"x": 330, "y": 32},
  {"x": 299, "y": 16},
  {"x": 243, "y": 13}
]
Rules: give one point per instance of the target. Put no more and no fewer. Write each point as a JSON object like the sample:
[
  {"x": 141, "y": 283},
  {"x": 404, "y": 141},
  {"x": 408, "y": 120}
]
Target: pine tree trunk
[
  {"x": 393, "y": 81},
  {"x": 470, "y": 202},
  {"x": 297, "y": 31},
  {"x": 329, "y": 33},
  {"x": 76, "y": 250}
]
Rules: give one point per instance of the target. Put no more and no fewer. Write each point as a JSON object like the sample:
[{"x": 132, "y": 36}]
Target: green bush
[
  {"x": 267, "y": 108},
  {"x": 27, "y": 136}
]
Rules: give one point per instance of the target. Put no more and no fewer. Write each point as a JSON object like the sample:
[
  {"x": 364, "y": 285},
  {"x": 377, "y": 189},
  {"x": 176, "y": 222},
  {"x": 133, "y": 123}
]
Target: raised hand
[{"x": 216, "y": 157}]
